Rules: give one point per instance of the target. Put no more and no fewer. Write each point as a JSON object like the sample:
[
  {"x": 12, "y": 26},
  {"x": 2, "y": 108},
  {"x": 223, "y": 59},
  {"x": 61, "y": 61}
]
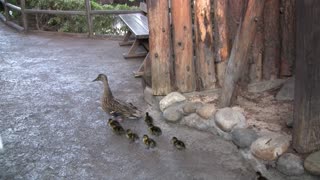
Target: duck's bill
[{"x": 95, "y": 80}]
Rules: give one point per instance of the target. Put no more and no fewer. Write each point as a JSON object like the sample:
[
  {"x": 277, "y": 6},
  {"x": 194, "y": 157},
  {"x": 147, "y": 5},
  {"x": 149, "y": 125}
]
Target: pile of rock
[{"x": 230, "y": 123}]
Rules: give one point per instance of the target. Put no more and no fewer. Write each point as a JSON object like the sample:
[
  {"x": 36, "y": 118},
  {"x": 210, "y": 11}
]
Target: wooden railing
[{"x": 24, "y": 12}]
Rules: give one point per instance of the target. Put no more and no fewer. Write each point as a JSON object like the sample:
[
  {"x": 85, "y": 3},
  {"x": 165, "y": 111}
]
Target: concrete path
[{"x": 52, "y": 125}]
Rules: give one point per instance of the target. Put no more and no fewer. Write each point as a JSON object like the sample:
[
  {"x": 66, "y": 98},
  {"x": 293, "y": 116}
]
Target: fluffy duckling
[
  {"x": 113, "y": 123},
  {"x": 118, "y": 130},
  {"x": 150, "y": 143},
  {"x": 131, "y": 136},
  {"x": 155, "y": 130},
  {"x": 177, "y": 143},
  {"x": 148, "y": 119},
  {"x": 112, "y": 105}
]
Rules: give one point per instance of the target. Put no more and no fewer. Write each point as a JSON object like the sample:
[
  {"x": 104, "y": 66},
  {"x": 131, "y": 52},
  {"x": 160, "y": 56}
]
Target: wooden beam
[
  {"x": 13, "y": 7},
  {"x": 15, "y": 26},
  {"x": 89, "y": 18},
  {"x": 306, "y": 126},
  {"x": 160, "y": 46},
  {"x": 6, "y": 11},
  {"x": 183, "y": 45},
  {"x": 238, "y": 58},
  {"x": 55, "y": 12},
  {"x": 113, "y": 12},
  {"x": 205, "y": 67}
]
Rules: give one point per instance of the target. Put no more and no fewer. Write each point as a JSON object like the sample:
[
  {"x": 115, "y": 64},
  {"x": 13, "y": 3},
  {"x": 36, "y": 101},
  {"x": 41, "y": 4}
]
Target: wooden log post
[
  {"x": 89, "y": 18},
  {"x": 271, "y": 58},
  {"x": 6, "y": 10},
  {"x": 222, "y": 38},
  {"x": 238, "y": 58},
  {"x": 205, "y": 68},
  {"x": 306, "y": 126},
  {"x": 287, "y": 23},
  {"x": 24, "y": 15},
  {"x": 160, "y": 46},
  {"x": 183, "y": 45}
]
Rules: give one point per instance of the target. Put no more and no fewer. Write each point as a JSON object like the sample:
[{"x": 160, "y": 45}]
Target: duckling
[
  {"x": 260, "y": 177},
  {"x": 155, "y": 130},
  {"x": 131, "y": 136},
  {"x": 148, "y": 119},
  {"x": 113, "y": 123},
  {"x": 178, "y": 143},
  {"x": 118, "y": 130},
  {"x": 150, "y": 143},
  {"x": 111, "y": 104}
]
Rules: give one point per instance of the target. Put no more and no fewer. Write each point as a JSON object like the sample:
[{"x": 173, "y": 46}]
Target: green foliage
[{"x": 103, "y": 24}]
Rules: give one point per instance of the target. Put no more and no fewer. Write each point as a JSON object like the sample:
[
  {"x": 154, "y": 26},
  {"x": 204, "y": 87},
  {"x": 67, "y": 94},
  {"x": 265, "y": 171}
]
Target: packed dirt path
[{"x": 53, "y": 127}]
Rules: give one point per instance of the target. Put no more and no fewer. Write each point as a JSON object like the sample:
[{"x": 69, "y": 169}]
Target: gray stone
[
  {"x": 290, "y": 164},
  {"x": 265, "y": 85},
  {"x": 227, "y": 119},
  {"x": 170, "y": 99},
  {"x": 195, "y": 121},
  {"x": 243, "y": 138},
  {"x": 312, "y": 163},
  {"x": 191, "y": 107},
  {"x": 206, "y": 111},
  {"x": 173, "y": 113},
  {"x": 287, "y": 91},
  {"x": 270, "y": 148}
]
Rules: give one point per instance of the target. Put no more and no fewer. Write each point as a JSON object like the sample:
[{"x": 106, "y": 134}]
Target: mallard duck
[
  {"x": 112, "y": 105},
  {"x": 118, "y": 130},
  {"x": 260, "y": 177},
  {"x": 178, "y": 144},
  {"x": 155, "y": 130},
  {"x": 148, "y": 119},
  {"x": 150, "y": 143},
  {"x": 113, "y": 123},
  {"x": 131, "y": 136}
]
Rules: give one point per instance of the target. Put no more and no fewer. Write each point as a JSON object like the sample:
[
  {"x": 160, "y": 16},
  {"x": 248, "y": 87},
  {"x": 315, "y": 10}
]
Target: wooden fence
[{"x": 24, "y": 13}]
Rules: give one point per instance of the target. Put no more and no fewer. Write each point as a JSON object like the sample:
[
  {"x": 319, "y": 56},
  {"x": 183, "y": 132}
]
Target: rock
[
  {"x": 206, "y": 111},
  {"x": 170, "y": 99},
  {"x": 243, "y": 138},
  {"x": 287, "y": 91},
  {"x": 227, "y": 119},
  {"x": 191, "y": 107},
  {"x": 270, "y": 147},
  {"x": 173, "y": 113},
  {"x": 312, "y": 163},
  {"x": 265, "y": 85},
  {"x": 290, "y": 164},
  {"x": 195, "y": 121}
]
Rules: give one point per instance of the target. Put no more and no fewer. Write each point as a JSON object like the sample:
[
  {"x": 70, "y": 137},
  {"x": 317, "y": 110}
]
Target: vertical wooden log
[
  {"x": 306, "y": 134},
  {"x": 271, "y": 59},
  {"x": 160, "y": 46},
  {"x": 89, "y": 18},
  {"x": 6, "y": 10},
  {"x": 235, "y": 12},
  {"x": 222, "y": 39},
  {"x": 24, "y": 15},
  {"x": 183, "y": 45},
  {"x": 205, "y": 67},
  {"x": 238, "y": 58},
  {"x": 287, "y": 23}
]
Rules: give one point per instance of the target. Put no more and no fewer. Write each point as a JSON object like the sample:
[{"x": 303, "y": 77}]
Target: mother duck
[{"x": 115, "y": 106}]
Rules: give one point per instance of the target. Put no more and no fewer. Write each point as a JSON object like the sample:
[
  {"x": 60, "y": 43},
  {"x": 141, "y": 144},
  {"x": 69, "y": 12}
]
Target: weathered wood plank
[
  {"x": 183, "y": 45},
  {"x": 205, "y": 68},
  {"x": 56, "y": 12},
  {"x": 271, "y": 58},
  {"x": 306, "y": 126},
  {"x": 13, "y": 7},
  {"x": 160, "y": 46},
  {"x": 114, "y": 12},
  {"x": 137, "y": 23},
  {"x": 238, "y": 58},
  {"x": 287, "y": 23},
  {"x": 6, "y": 11}
]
